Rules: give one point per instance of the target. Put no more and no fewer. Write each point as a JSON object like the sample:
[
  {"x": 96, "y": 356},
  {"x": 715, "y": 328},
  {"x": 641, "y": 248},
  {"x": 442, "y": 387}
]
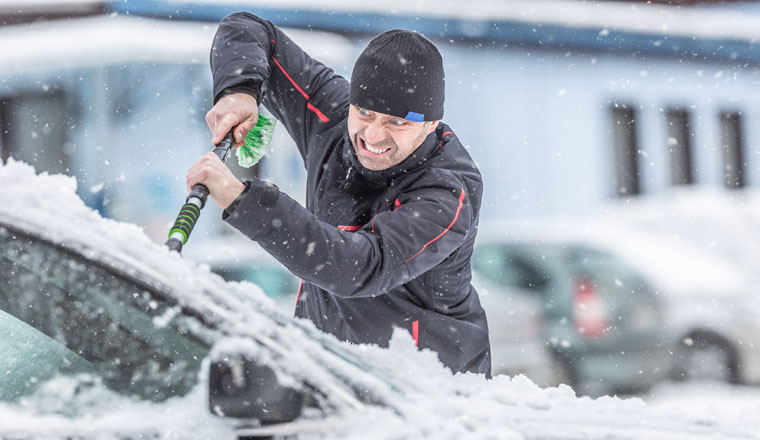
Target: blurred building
[{"x": 563, "y": 104}]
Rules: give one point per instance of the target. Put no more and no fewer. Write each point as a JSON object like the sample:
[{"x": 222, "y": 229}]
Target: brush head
[{"x": 256, "y": 142}]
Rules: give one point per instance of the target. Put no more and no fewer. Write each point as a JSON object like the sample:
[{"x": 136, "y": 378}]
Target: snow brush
[{"x": 256, "y": 143}]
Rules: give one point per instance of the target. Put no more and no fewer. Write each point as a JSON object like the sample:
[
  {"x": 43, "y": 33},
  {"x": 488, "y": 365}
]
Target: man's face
[{"x": 382, "y": 141}]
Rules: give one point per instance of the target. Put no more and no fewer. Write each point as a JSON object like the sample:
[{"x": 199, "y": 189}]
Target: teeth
[{"x": 376, "y": 150}]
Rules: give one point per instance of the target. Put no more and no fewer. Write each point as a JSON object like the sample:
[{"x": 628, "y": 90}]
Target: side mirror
[{"x": 240, "y": 388}]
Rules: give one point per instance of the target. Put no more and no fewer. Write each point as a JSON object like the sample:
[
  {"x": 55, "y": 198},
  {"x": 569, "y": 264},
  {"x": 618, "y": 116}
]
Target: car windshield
[{"x": 69, "y": 315}]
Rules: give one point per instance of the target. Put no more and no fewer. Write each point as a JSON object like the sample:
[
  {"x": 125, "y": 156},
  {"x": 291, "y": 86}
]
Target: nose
[{"x": 375, "y": 132}]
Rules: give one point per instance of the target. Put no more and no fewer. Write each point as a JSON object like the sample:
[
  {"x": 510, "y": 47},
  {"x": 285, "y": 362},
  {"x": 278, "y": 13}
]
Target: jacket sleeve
[
  {"x": 427, "y": 226},
  {"x": 251, "y": 55}
]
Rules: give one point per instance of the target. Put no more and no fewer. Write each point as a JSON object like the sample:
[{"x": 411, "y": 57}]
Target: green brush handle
[
  {"x": 196, "y": 200},
  {"x": 183, "y": 226}
]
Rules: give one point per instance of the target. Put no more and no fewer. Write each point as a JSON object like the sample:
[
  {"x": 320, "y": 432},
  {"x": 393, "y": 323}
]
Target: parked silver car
[
  {"x": 601, "y": 322},
  {"x": 712, "y": 307},
  {"x": 708, "y": 262},
  {"x": 708, "y": 313}
]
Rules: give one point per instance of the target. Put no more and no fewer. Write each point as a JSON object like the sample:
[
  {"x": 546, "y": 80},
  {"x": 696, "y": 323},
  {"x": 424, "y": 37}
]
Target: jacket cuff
[
  {"x": 256, "y": 194},
  {"x": 227, "y": 211},
  {"x": 250, "y": 88}
]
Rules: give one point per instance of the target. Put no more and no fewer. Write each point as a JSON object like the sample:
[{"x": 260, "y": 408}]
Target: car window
[
  {"x": 508, "y": 267},
  {"x": 119, "y": 327},
  {"x": 30, "y": 357}
]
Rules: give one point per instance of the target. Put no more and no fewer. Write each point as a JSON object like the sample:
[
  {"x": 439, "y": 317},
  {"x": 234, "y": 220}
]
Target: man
[{"x": 393, "y": 198}]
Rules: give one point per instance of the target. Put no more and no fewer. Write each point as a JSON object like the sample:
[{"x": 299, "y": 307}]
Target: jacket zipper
[{"x": 348, "y": 174}]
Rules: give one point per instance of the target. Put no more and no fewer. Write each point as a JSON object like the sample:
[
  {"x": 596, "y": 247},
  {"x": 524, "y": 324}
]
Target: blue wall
[
  {"x": 532, "y": 99},
  {"x": 530, "y": 102}
]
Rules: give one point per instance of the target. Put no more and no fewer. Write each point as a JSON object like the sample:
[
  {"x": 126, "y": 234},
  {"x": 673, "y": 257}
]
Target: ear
[{"x": 432, "y": 127}]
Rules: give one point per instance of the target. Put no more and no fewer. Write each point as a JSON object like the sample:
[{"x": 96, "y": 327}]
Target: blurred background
[{"x": 619, "y": 143}]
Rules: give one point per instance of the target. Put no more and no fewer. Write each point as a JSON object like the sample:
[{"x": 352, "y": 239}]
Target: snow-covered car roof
[
  {"x": 399, "y": 392},
  {"x": 722, "y": 222},
  {"x": 674, "y": 264}
]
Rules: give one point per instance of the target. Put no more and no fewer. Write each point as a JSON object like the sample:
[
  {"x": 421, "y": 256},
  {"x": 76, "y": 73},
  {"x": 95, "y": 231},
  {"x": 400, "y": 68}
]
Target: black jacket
[{"x": 376, "y": 250}]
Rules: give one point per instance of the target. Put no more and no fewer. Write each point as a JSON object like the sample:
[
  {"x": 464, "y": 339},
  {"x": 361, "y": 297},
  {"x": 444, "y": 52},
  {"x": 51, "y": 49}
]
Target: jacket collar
[{"x": 383, "y": 177}]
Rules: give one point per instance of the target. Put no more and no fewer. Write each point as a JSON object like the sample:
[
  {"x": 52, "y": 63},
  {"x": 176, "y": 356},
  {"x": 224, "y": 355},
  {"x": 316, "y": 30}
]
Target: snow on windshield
[{"x": 412, "y": 394}]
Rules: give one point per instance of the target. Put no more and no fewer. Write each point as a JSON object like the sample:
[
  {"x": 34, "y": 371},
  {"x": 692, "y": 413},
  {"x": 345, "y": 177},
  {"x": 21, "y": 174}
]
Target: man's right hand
[{"x": 238, "y": 110}]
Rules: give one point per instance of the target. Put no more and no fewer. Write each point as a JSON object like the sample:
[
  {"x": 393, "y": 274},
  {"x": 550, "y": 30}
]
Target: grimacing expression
[{"x": 382, "y": 141}]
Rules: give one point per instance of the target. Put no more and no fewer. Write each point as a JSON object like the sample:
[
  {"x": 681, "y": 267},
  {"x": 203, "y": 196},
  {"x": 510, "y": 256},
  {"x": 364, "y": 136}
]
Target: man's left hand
[{"x": 222, "y": 185}]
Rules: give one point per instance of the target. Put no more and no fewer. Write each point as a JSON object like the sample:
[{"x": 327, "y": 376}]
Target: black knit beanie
[{"x": 400, "y": 73}]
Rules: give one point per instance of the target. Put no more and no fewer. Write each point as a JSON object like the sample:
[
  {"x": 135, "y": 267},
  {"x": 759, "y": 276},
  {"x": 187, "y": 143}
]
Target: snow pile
[
  {"x": 437, "y": 405},
  {"x": 729, "y": 403},
  {"x": 368, "y": 392},
  {"x": 720, "y": 222}
]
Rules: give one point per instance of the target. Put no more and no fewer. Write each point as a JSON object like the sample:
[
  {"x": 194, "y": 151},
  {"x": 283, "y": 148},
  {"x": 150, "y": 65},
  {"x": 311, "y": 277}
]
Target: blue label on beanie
[{"x": 416, "y": 117}]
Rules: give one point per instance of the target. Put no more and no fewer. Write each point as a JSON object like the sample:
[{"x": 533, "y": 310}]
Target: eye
[
  {"x": 363, "y": 111},
  {"x": 398, "y": 122}
]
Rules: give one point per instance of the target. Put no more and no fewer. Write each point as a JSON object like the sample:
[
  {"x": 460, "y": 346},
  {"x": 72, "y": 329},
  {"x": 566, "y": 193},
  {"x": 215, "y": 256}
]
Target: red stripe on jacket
[
  {"x": 319, "y": 114},
  {"x": 456, "y": 216},
  {"x": 444, "y": 135},
  {"x": 416, "y": 332},
  {"x": 298, "y": 296},
  {"x": 350, "y": 228}
]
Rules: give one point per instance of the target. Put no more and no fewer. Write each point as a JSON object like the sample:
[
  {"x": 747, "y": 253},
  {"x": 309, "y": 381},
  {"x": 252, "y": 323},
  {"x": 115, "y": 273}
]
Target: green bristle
[{"x": 256, "y": 142}]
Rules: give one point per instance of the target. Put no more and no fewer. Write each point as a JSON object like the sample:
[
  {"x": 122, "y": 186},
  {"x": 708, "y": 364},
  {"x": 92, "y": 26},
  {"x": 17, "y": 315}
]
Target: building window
[
  {"x": 33, "y": 129},
  {"x": 732, "y": 147},
  {"x": 626, "y": 150},
  {"x": 679, "y": 146}
]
